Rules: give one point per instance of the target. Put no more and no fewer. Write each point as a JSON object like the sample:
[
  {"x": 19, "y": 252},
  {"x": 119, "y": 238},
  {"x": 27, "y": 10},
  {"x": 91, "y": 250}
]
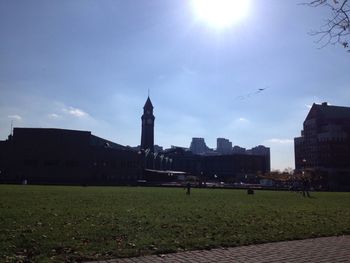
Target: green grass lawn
[{"x": 58, "y": 223}]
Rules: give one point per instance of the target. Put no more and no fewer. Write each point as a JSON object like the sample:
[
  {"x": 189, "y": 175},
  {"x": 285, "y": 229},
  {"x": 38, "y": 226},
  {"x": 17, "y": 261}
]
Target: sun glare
[{"x": 220, "y": 13}]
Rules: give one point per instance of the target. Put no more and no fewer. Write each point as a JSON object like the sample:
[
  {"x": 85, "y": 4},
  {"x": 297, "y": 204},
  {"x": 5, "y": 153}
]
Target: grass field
[{"x": 57, "y": 223}]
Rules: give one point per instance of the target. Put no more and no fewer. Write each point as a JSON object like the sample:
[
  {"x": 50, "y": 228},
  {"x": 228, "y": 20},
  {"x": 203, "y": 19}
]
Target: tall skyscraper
[
  {"x": 198, "y": 146},
  {"x": 147, "y": 132},
  {"x": 223, "y": 146}
]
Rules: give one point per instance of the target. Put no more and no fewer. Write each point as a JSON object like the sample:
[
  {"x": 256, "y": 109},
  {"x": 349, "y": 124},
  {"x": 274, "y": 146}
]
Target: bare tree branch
[{"x": 336, "y": 30}]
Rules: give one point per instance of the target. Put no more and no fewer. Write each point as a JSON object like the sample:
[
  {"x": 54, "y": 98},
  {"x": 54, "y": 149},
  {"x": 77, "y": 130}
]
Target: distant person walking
[
  {"x": 306, "y": 186},
  {"x": 188, "y": 186}
]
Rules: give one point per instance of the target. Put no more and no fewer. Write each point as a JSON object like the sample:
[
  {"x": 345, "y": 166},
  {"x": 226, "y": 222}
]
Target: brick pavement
[{"x": 325, "y": 249}]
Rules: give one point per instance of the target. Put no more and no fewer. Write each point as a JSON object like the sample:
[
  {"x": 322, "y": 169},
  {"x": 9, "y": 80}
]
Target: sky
[{"x": 88, "y": 65}]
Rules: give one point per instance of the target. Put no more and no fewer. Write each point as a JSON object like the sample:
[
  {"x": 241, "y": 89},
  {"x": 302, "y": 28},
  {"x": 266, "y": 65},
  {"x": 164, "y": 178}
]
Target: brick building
[{"x": 324, "y": 145}]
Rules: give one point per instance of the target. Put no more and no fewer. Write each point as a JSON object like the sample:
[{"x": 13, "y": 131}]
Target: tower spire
[{"x": 147, "y": 131}]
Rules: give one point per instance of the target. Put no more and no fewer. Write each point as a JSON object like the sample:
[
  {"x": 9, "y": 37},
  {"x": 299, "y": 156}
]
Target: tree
[
  {"x": 336, "y": 30},
  {"x": 288, "y": 170}
]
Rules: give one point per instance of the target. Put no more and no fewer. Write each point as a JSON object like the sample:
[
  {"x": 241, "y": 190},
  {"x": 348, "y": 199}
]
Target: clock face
[{"x": 149, "y": 121}]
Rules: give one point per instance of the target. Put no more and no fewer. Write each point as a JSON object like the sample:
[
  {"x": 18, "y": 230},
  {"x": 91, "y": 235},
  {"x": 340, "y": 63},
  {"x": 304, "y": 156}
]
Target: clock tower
[{"x": 147, "y": 132}]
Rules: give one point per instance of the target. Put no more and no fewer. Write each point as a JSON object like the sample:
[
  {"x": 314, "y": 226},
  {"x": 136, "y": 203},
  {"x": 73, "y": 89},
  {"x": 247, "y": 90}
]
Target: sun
[{"x": 220, "y": 14}]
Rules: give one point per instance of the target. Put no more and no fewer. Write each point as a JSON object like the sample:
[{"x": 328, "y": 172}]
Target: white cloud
[
  {"x": 54, "y": 116},
  {"x": 15, "y": 117},
  {"x": 280, "y": 141},
  {"x": 241, "y": 119},
  {"x": 240, "y": 123},
  {"x": 75, "y": 112}
]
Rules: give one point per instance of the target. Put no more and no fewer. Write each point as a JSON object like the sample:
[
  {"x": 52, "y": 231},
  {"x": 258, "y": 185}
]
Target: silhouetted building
[
  {"x": 228, "y": 168},
  {"x": 147, "y": 132},
  {"x": 324, "y": 145},
  {"x": 238, "y": 150},
  {"x": 58, "y": 156},
  {"x": 211, "y": 152},
  {"x": 223, "y": 146},
  {"x": 158, "y": 148},
  {"x": 175, "y": 147},
  {"x": 161, "y": 177},
  {"x": 198, "y": 146},
  {"x": 262, "y": 151}
]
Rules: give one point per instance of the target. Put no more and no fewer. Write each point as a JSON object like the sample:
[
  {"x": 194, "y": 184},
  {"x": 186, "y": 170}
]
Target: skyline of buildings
[
  {"x": 61, "y": 156},
  {"x": 110, "y": 60},
  {"x": 199, "y": 160},
  {"x": 323, "y": 149},
  {"x": 197, "y": 146}
]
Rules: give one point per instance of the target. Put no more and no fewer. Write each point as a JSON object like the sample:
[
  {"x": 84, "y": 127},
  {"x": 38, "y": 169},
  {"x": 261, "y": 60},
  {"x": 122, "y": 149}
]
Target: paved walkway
[{"x": 325, "y": 249}]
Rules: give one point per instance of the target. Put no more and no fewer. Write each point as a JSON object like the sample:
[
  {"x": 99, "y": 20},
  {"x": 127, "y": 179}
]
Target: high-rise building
[
  {"x": 198, "y": 146},
  {"x": 147, "y": 132},
  {"x": 324, "y": 144},
  {"x": 223, "y": 146}
]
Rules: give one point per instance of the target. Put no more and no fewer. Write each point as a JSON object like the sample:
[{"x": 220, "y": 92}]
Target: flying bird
[{"x": 242, "y": 97}]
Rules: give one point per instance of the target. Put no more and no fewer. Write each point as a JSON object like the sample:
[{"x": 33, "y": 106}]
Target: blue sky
[{"x": 88, "y": 65}]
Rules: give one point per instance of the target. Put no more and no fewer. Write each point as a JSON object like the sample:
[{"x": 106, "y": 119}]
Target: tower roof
[
  {"x": 328, "y": 111},
  {"x": 148, "y": 104}
]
